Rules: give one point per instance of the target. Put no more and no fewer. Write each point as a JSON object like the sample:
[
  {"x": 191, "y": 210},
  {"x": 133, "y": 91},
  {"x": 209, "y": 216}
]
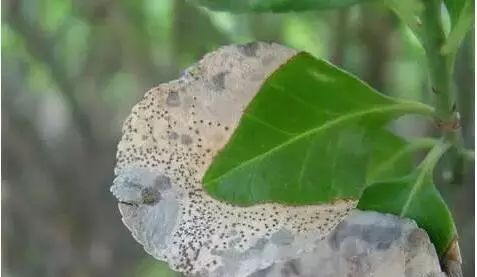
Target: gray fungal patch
[
  {"x": 173, "y": 217},
  {"x": 416, "y": 238},
  {"x": 150, "y": 195},
  {"x": 256, "y": 77},
  {"x": 267, "y": 60},
  {"x": 130, "y": 191},
  {"x": 249, "y": 49},
  {"x": 383, "y": 235},
  {"x": 173, "y": 99},
  {"x": 219, "y": 80},
  {"x": 260, "y": 244},
  {"x": 173, "y": 136},
  {"x": 186, "y": 139},
  {"x": 162, "y": 182},
  {"x": 282, "y": 237},
  {"x": 409, "y": 254}
]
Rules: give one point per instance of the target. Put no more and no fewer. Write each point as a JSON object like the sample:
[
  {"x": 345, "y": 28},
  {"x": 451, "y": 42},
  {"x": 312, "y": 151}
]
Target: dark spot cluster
[
  {"x": 249, "y": 49},
  {"x": 219, "y": 80},
  {"x": 150, "y": 195}
]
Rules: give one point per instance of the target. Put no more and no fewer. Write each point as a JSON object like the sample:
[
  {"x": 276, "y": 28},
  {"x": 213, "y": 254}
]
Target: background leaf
[
  {"x": 455, "y": 8},
  {"x": 462, "y": 17},
  {"x": 425, "y": 206},
  {"x": 273, "y": 5},
  {"x": 408, "y": 11},
  {"x": 415, "y": 196},
  {"x": 394, "y": 157},
  {"x": 309, "y": 136}
]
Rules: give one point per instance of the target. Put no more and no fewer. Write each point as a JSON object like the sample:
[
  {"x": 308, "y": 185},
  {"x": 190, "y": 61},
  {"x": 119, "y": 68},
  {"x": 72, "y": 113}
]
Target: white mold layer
[{"x": 168, "y": 142}]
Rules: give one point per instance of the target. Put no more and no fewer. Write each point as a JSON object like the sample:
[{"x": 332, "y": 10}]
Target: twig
[{"x": 440, "y": 70}]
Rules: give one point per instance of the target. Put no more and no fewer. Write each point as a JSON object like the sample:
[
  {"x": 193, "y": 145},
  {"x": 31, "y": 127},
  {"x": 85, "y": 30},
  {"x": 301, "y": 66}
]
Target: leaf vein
[
  {"x": 266, "y": 124},
  {"x": 329, "y": 124}
]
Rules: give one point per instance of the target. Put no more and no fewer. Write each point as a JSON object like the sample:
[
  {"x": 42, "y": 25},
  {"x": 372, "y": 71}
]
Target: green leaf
[
  {"x": 394, "y": 160},
  {"x": 456, "y": 7},
  {"x": 409, "y": 11},
  {"x": 462, "y": 18},
  {"x": 416, "y": 197},
  {"x": 273, "y": 5},
  {"x": 309, "y": 136}
]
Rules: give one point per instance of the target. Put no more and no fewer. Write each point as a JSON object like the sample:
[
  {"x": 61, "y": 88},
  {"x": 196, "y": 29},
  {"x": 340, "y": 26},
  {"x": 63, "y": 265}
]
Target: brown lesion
[
  {"x": 452, "y": 260},
  {"x": 449, "y": 126}
]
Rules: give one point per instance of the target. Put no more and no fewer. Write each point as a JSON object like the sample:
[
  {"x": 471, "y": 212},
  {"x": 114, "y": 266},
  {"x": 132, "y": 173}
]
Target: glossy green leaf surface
[
  {"x": 416, "y": 197},
  {"x": 274, "y": 5},
  {"x": 396, "y": 159},
  {"x": 312, "y": 134},
  {"x": 408, "y": 11}
]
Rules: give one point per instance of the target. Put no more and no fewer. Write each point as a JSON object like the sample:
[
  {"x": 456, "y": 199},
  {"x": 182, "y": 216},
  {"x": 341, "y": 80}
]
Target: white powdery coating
[{"x": 169, "y": 141}]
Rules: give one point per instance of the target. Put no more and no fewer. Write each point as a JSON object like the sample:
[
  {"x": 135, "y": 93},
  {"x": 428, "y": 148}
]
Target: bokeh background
[{"x": 72, "y": 69}]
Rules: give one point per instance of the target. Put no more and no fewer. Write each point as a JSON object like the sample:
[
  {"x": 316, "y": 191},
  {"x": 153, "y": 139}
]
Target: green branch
[
  {"x": 441, "y": 67},
  {"x": 430, "y": 161},
  {"x": 468, "y": 155},
  {"x": 459, "y": 29},
  {"x": 426, "y": 168}
]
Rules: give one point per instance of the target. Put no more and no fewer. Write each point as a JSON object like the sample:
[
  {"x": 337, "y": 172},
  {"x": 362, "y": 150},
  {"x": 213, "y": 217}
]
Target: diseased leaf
[
  {"x": 175, "y": 133},
  {"x": 309, "y": 136},
  {"x": 274, "y": 5},
  {"x": 414, "y": 196},
  {"x": 170, "y": 139}
]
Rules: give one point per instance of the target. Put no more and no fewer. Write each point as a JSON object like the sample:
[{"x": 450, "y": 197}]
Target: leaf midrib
[
  {"x": 340, "y": 119},
  {"x": 426, "y": 168},
  {"x": 416, "y": 144},
  {"x": 412, "y": 194}
]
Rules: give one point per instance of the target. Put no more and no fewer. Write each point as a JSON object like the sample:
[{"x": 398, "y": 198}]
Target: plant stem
[
  {"x": 426, "y": 168},
  {"x": 468, "y": 155},
  {"x": 441, "y": 67},
  {"x": 460, "y": 28},
  {"x": 430, "y": 161}
]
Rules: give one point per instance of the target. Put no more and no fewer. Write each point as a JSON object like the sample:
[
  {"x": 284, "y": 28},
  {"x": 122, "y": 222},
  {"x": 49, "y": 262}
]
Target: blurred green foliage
[
  {"x": 149, "y": 267},
  {"x": 72, "y": 70}
]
